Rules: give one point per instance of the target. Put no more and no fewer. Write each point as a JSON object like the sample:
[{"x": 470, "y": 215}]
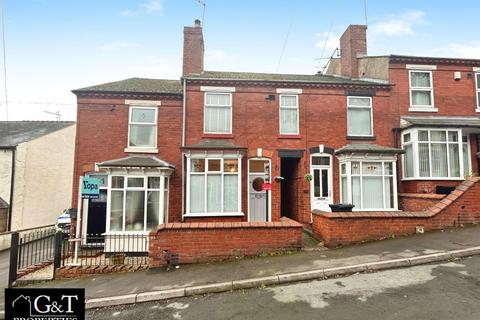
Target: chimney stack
[
  {"x": 193, "y": 49},
  {"x": 353, "y": 43}
]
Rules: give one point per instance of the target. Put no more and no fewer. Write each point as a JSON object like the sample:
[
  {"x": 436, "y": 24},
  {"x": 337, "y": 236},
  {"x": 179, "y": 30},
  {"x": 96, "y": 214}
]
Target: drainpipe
[
  {"x": 12, "y": 181},
  {"x": 184, "y": 106}
]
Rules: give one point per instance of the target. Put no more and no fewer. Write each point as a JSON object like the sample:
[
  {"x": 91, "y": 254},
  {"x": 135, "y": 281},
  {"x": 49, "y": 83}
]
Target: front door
[
  {"x": 321, "y": 183},
  {"x": 257, "y": 209}
]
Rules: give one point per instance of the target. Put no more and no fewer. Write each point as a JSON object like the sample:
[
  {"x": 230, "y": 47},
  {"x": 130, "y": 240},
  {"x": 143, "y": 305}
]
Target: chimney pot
[{"x": 198, "y": 23}]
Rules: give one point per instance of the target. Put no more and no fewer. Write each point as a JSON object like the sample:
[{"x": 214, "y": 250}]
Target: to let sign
[
  {"x": 90, "y": 188},
  {"x": 266, "y": 186}
]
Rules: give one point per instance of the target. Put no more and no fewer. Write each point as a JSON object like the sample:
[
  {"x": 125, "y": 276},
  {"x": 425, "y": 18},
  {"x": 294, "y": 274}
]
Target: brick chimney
[
  {"x": 193, "y": 49},
  {"x": 353, "y": 43}
]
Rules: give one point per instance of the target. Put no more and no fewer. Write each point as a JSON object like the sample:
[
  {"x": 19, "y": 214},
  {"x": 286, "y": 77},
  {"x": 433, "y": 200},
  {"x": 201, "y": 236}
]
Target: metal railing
[{"x": 106, "y": 250}]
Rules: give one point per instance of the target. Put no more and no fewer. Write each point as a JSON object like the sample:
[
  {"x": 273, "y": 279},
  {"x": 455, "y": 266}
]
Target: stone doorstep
[{"x": 319, "y": 274}]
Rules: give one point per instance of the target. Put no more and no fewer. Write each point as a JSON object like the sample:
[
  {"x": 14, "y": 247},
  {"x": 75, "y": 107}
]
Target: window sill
[
  {"x": 213, "y": 214},
  {"x": 364, "y": 138},
  {"x": 422, "y": 109},
  {"x": 289, "y": 136},
  {"x": 433, "y": 179},
  {"x": 141, "y": 150},
  {"x": 218, "y": 135},
  {"x": 477, "y": 110}
]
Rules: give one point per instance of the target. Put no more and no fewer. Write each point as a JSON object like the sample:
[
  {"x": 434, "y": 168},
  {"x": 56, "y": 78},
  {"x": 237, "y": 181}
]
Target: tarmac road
[{"x": 448, "y": 290}]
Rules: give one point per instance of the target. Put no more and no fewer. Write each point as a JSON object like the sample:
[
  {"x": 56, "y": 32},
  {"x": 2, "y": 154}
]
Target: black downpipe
[{"x": 12, "y": 181}]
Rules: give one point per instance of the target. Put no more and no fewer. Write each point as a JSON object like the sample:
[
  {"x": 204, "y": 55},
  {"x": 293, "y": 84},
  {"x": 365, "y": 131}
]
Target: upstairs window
[
  {"x": 218, "y": 113},
  {"x": 142, "y": 127},
  {"x": 289, "y": 114},
  {"x": 477, "y": 77},
  {"x": 359, "y": 121},
  {"x": 421, "y": 89}
]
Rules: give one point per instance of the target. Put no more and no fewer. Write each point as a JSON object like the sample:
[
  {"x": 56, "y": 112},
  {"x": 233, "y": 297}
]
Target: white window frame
[
  {"x": 162, "y": 215},
  {"x": 152, "y": 149},
  {"x": 296, "y": 107},
  {"x": 189, "y": 174},
  {"x": 205, "y": 106},
  {"x": 348, "y": 175},
  {"x": 360, "y": 107},
  {"x": 421, "y": 108},
  {"x": 477, "y": 90},
  {"x": 469, "y": 155},
  {"x": 416, "y": 163}
]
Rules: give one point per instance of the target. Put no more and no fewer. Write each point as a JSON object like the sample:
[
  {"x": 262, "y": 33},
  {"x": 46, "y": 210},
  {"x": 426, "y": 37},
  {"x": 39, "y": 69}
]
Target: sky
[{"x": 55, "y": 46}]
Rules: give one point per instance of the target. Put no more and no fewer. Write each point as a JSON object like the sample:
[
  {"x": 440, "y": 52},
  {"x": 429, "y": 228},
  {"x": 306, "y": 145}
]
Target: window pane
[
  {"x": 217, "y": 119},
  {"x": 454, "y": 157},
  {"x": 257, "y": 166},
  {"x": 230, "y": 165},
  {"x": 359, "y": 122},
  {"x": 324, "y": 183},
  {"x": 143, "y": 115},
  {"x": 344, "y": 190},
  {"x": 356, "y": 193},
  {"x": 197, "y": 165},
  {"x": 197, "y": 193},
  {"x": 420, "y": 79},
  {"x": 388, "y": 168},
  {"x": 116, "y": 210},
  {"x": 288, "y": 121},
  {"x": 344, "y": 168},
  {"x": 408, "y": 161},
  {"x": 372, "y": 192},
  {"x": 478, "y": 81},
  {"x": 452, "y": 136},
  {"x": 230, "y": 193},
  {"x": 218, "y": 99},
  {"x": 439, "y": 160},
  {"x": 388, "y": 184},
  {"x": 371, "y": 168},
  {"x": 154, "y": 182},
  {"x": 142, "y": 136},
  {"x": 355, "y": 167},
  {"x": 466, "y": 160},
  {"x": 424, "y": 159},
  {"x": 438, "y": 136},
  {"x": 134, "y": 210},
  {"x": 214, "y": 193},
  {"x": 117, "y": 182},
  {"x": 153, "y": 209},
  {"x": 423, "y": 135},
  {"x": 214, "y": 165},
  {"x": 321, "y": 161},
  {"x": 135, "y": 182},
  {"x": 358, "y": 101},
  {"x": 407, "y": 137},
  {"x": 316, "y": 183},
  {"x": 288, "y": 101},
  {"x": 421, "y": 98}
]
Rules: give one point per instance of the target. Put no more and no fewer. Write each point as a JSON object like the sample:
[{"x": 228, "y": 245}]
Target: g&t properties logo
[{"x": 51, "y": 304}]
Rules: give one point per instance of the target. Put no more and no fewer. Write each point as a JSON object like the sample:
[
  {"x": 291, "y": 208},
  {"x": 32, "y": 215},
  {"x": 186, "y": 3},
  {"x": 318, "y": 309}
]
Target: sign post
[{"x": 267, "y": 185}]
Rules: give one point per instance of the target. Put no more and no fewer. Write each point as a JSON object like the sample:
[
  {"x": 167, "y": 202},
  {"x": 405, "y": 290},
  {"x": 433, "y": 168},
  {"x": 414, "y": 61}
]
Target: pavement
[
  {"x": 304, "y": 265},
  {"x": 441, "y": 291}
]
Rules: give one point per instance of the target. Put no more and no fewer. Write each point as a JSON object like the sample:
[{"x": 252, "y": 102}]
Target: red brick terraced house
[{"x": 372, "y": 131}]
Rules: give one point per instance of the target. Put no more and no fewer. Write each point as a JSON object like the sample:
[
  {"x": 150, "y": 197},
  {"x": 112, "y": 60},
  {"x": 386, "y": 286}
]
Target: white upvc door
[{"x": 321, "y": 183}]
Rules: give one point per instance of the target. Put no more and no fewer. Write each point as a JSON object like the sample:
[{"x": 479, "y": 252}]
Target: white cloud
[
  {"x": 459, "y": 50},
  {"x": 114, "y": 46},
  {"x": 156, "y": 67},
  {"x": 398, "y": 25},
  {"x": 328, "y": 41},
  {"x": 215, "y": 55},
  {"x": 147, "y": 7}
]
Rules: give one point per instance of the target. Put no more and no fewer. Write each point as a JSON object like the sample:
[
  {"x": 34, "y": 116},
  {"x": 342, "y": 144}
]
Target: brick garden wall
[
  {"x": 201, "y": 242},
  {"x": 418, "y": 201},
  {"x": 460, "y": 207}
]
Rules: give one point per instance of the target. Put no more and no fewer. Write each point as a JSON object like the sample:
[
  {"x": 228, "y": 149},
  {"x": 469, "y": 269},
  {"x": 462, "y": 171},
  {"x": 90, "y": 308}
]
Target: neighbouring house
[
  {"x": 199, "y": 152},
  {"x": 36, "y": 171}
]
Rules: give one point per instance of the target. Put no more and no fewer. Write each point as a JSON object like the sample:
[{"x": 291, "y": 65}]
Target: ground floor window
[
  {"x": 368, "y": 184},
  {"x": 213, "y": 186},
  {"x": 137, "y": 203},
  {"x": 435, "y": 153}
]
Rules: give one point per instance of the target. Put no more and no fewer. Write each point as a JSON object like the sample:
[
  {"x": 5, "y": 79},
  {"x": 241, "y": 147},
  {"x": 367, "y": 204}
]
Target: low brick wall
[
  {"x": 418, "y": 201},
  {"x": 208, "y": 241},
  {"x": 460, "y": 207}
]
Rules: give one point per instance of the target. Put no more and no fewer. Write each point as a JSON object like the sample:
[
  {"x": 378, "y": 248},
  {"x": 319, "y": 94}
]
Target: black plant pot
[{"x": 341, "y": 207}]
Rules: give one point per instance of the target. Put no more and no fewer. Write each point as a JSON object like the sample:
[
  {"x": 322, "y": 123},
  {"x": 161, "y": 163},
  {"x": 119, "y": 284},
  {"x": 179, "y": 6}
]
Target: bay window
[
  {"x": 289, "y": 114},
  {"x": 213, "y": 186},
  {"x": 421, "y": 89},
  {"x": 137, "y": 203},
  {"x": 435, "y": 154},
  {"x": 359, "y": 120},
  {"x": 142, "y": 127},
  {"x": 218, "y": 113},
  {"x": 368, "y": 184}
]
